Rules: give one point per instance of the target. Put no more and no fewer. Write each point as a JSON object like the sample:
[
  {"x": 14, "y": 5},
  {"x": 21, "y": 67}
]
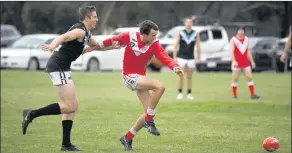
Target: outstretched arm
[
  {"x": 68, "y": 36},
  {"x": 166, "y": 60},
  {"x": 107, "y": 44}
]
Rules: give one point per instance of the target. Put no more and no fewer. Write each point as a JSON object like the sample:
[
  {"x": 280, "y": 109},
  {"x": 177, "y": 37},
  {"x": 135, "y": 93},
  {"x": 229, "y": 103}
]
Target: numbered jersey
[
  {"x": 241, "y": 51},
  {"x": 69, "y": 51}
]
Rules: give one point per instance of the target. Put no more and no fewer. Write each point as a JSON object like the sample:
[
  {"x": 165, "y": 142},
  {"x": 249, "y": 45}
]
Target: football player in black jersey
[{"x": 58, "y": 68}]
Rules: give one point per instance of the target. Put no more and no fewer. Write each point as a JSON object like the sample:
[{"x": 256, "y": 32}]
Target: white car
[
  {"x": 100, "y": 60},
  {"x": 26, "y": 52}
]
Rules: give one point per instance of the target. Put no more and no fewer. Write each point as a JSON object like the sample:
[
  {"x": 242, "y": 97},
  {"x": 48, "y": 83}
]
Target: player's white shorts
[
  {"x": 61, "y": 78},
  {"x": 131, "y": 80},
  {"x": 233, "y": 68},
  {"x": 191, "y": 63}
]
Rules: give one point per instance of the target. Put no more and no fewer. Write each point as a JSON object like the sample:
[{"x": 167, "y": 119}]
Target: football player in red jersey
[
  {"x": 241, "y": 56},
  {"x": 140, "y": 47}
]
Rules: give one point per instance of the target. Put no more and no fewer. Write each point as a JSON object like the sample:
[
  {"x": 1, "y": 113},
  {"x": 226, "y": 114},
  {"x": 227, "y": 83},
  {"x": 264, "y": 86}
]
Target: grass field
[{"x": 213, "y": 123}]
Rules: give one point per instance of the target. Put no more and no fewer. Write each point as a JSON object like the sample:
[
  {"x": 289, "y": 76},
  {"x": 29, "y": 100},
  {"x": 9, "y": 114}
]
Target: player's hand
[
  {"x": 283, "y": 57},
  {"x": 234, "y": 63},
  {"x": 198, "y": 61},
  {"x": 48, "y": 47},
  {"x": 180, "y": 73},
  {"x": 253, "y": 65},
  {"x": 87, "y": 49}
]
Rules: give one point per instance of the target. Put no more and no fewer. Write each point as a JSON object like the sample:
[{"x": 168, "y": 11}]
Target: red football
[{"x": 271, "y": 144}]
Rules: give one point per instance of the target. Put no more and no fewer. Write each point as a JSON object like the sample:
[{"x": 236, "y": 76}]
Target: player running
[
  {"x": 58, "y": 67},
  {"x": 140, "y": 48},
  {"x": 241, "y": 55}
]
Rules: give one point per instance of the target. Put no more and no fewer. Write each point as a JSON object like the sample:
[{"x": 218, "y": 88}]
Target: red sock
[
  {"x": 149, "y": 117},
  {"x": 251, "y": 87},
  {"x": 130, "y": 134},
  {"x": 234, "y": 89}
]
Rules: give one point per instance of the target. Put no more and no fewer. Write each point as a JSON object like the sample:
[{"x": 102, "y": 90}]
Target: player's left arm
[
  {"x": 198, "y": 44},
  {"x": 249, "y": 54},
  {"x": 161, "y": 55}
]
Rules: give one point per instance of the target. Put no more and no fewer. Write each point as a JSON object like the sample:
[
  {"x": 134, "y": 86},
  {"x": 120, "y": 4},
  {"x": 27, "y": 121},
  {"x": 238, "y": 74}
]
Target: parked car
[
  {"x": 26, "y": 52},
  {"x": 8, "y": 34},
  {"x": 213, "y": 40},
  {"x": 100, "y": 60},
  {"x": 280, "y": 66},
  {"x": 263, "y": 49}
]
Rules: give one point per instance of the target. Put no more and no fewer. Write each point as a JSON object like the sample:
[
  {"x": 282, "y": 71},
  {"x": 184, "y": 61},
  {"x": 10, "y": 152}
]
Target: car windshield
[{"x": 28, "y": 42}]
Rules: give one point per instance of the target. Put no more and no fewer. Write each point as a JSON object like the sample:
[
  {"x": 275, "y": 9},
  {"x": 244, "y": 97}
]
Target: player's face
[
  {"x": 152, "y": 36},
  {"x": 240, "y": 32},
  {"x": 188, "y": 23},
  {"x": 93, "y": 20}
]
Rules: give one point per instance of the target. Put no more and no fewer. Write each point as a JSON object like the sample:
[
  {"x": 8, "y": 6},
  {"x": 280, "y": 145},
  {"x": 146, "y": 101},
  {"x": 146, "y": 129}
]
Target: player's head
[
  {"x": 188, "y": 21},
  {"x": 88, "y": 14},
  {"x": 241, "y": 31},
  {"x": 148, "y": 30}
]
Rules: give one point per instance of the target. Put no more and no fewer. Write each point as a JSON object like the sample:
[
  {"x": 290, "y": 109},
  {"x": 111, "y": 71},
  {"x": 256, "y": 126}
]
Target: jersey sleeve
[
  {"x": 123, "y": 39},
  {"x": 160, "y": 54}
]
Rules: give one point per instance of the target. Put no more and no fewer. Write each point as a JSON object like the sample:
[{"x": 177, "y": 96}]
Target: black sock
[
  {"x": 52, "y": 109},
  {"x": 67, "y": 126},
  {"x": 189, "y": 91},
  {"x": 179, "y": 90}
]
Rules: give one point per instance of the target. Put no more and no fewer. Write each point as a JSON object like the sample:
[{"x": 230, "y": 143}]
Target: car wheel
[
  {"x": 93, "y": 65},
  {"x": 33, "y": 65}
]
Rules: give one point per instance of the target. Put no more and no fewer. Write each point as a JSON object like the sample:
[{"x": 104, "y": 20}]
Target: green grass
[{"x": 214, "y": 123}]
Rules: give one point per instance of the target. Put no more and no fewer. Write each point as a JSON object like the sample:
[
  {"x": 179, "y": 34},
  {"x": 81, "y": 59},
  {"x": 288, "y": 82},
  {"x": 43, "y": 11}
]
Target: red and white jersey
[
  {"x": 138, "y": 54},
  {"x": 241, "y": 51}
]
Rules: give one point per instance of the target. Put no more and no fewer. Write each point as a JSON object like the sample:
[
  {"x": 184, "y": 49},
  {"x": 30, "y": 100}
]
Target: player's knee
[{"x": 160, "y": 86}]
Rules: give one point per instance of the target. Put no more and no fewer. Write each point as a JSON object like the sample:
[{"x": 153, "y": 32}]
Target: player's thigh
[
  {"x": 67, "y": 93},
  {"x": 235, "y": 73},
  {"x": 247, "y": 72},
  {"x": 145, "y": 83},
  {"x": 144, "y": 96},
  {"x": 65, "y": 86}
]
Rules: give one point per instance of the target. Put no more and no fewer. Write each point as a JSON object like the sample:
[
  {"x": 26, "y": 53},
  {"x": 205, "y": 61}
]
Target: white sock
[{"x": 150, "y": 111}]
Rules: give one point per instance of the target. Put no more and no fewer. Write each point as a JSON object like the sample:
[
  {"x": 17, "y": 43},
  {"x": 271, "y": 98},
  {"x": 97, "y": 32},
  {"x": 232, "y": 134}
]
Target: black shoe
[
  {"x": 235, "y": 97},
  {"x": 255, "y": 96},
  {"x": 127, "y": 143},
  {"x": 150, "y": 126},
  {"x": 26, "y": 120},
  {"x": 70, "y": 148}
]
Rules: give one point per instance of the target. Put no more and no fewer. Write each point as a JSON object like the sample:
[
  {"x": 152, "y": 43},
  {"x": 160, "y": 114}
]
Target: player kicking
[
  {"x": 241, "y": 55},
  {"x": 58, "y": 67},
  {"x": 140, "y": 48}
]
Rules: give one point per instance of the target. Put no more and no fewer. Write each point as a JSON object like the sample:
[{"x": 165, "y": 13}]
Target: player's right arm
[
  {"x": 231, "y": 44},
  {"x": 176, "y": 45},
  {"x": 68, "y": 36}
]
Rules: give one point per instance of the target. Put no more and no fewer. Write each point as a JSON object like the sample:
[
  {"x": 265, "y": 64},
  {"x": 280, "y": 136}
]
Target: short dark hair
[
  {"x": 146, "y": 26},
  {"x": 241, "y": 28},
  {"x": 85, "y": 11}
]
